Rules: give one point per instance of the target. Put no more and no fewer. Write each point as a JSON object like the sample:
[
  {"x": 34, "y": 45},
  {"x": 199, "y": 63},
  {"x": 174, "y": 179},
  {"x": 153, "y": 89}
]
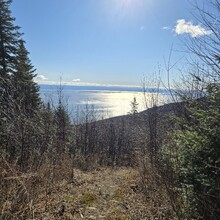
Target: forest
[{"x": 166, "y": 158}]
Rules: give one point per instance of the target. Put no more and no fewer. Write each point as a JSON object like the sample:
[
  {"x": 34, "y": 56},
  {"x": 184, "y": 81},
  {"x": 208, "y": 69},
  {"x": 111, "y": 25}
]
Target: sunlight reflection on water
[{"x": 106, "y": 103}]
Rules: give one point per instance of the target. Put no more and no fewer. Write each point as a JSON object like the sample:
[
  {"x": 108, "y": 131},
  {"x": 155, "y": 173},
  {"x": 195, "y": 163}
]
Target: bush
[{"x": 196, "y": 159}]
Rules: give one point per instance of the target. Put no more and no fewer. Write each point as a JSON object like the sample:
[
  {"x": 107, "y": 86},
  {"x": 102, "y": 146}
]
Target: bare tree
[{"x": 207, "y": 47}]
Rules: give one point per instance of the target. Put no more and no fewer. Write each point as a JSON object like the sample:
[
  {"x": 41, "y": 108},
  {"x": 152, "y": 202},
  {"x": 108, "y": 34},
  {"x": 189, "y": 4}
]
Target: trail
[{"x": 106, "y": 194}]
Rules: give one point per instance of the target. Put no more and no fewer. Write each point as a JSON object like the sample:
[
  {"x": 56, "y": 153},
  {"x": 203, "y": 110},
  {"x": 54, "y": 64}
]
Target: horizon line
[{"x": 85, "y": 84}]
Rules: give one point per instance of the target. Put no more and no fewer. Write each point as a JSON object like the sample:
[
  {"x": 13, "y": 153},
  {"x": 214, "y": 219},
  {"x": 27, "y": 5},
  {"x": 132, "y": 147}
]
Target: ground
[{"x": 105, "y": 193}]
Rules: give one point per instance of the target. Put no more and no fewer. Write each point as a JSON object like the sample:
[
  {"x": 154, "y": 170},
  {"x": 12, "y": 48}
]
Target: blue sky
[{"x": 103, "y": 41}]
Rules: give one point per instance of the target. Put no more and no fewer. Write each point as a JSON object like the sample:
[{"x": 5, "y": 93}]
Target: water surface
[{"x": 107, "y": 101}]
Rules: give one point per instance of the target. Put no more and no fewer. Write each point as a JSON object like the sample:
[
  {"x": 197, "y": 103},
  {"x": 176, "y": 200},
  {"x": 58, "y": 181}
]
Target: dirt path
[{"x": 104, "y": 194}]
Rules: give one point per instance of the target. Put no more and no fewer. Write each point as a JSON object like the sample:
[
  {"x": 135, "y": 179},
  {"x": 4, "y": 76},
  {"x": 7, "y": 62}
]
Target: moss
[
  {"x": 69, "y": 198},
  {"x": 88, "y": 198}
]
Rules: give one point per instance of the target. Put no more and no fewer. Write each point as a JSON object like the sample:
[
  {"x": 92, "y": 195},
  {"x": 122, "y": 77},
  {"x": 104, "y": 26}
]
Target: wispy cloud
[
  {"x": 167, "y": 28},
  {"x": 41, "y": 77},
  {"x": 76, "y": 80},
  {"x": 187, "y": 27}
]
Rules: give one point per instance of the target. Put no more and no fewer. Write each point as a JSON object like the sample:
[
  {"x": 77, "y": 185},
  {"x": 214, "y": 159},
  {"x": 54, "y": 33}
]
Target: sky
[{"x": 107, "y": 42}]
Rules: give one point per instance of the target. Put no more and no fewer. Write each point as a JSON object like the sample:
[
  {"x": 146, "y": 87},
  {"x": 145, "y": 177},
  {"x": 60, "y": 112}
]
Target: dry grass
[{"x": 104, "y": 193}]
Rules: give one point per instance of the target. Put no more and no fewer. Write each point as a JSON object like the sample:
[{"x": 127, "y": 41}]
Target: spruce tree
[
  {"x": 196, "y": 156},
  {"x": 26, "y": 90},
  {"x": 19, "y": 95},
  {"x": 9, "y": 36},
  {"x": 134, "y": 107},
  {"x": 62, "y": 122}
]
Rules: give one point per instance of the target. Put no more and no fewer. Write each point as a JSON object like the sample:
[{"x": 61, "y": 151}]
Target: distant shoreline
[{"x": 102, "y": 88}]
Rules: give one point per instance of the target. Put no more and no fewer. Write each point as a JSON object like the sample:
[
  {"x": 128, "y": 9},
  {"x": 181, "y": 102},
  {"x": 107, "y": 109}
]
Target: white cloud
[
  {"x": 76, "y": 80},
  {"x": 166, "y": 28},
  {"x": 41, "y": 77},
  {"x": 184, "y": 27}
]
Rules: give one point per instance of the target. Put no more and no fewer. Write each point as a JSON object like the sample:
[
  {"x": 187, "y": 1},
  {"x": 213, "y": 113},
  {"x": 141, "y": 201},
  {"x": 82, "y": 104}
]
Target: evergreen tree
[
  {"x": 26, "y": 90},
  {"x": 195, "y": 159},
  {"x": 47, "y": 127},
  {"x": 19, "y": 97},
  {"x": 9, "y": 36},
  {"x": 62, "y": 122},
  {"x": 134, "y": 107}
]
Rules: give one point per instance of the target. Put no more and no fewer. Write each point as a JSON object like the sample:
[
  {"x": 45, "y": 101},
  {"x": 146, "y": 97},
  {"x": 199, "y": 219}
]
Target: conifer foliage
[
  {"x": 194, "y": 152},
  {"x": 195, "y": 157},
  {"x": 26, "y": 89},
  {"x": 9, "y": 36},
  {"x": 134, "y": 107},
  {"x": 19, "y": 94}
]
